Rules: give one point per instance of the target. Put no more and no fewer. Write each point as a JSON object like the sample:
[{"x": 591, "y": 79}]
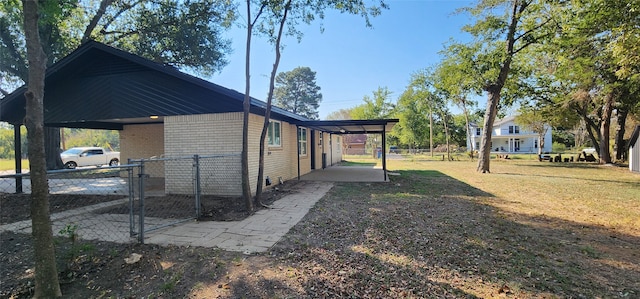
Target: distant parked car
[
  {"x": 394, "y": 150},
  {"x": 89, "y": 156}
]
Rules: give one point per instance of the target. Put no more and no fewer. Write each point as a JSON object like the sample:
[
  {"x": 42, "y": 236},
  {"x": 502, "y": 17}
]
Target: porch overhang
[
  {"x": 342, "y": 127},
  {"x": 369, "y": 126}
]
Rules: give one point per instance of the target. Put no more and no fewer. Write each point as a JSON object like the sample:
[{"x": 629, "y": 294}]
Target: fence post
[
  {"x": 141, "y": 177},
  {"x": 196, "y": 162},
  {"x": 132, "y": 224}
]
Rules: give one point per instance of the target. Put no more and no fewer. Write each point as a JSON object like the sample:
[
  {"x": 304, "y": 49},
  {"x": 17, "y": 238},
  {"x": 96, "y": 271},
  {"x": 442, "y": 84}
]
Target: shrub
[{"x": 558, "y": 147}]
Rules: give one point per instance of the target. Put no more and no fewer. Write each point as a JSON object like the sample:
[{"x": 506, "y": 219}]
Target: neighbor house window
[
  {"x": 517, "y": 129},
  {"x": 302, "y": 141},
  {"x": 273, "y": 134},
  {"x": 510, "y": 129},
  {"x": 514, "y": 129},
  {"x": 478, "y": 131}
]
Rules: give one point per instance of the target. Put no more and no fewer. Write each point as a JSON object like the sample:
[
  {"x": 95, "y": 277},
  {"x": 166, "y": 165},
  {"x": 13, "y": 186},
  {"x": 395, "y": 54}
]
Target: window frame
[
  {"x": 271, "y": 138},
  {"x": 303, "y": 142}
]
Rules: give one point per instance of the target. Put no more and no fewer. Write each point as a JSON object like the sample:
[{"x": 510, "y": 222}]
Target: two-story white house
[{"x": 509, "y": 137}]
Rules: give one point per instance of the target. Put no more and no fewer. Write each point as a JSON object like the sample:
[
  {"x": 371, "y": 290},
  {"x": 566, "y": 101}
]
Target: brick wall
[
  {"x": 142, "y": 142},
  {"x": 214, "y": 134}
]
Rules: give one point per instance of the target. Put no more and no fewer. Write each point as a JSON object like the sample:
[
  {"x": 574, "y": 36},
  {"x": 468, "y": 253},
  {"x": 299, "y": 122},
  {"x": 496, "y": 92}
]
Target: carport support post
[
  {"x": 18, "y": 156},
  {"x": 298, "y": 142},
  {"x": 384, "y": 153}
]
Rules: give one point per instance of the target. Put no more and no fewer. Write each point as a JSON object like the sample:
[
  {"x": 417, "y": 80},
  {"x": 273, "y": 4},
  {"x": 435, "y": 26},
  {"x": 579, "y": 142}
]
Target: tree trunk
[
  {"x": 52, "y": 148},
  {"x": 494, "y": 89},
  {"x": 484, "y": 157},
  {"x": 540, "y": 143},
  {"x": 620, "y": 145},
  {"x": 46, "y": 274},
  {"x": 246, "y": 107},
  {"x": 446, "y": 135},
  {"x": 431, "y": 130},
  {"x": 466, "y": 121},
  {"x": 267, "y": 113},
  {"x": 605, "y": 125}
]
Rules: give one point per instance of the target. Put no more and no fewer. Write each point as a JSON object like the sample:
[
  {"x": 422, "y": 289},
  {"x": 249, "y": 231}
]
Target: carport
[{"x": 343, "y": 127}]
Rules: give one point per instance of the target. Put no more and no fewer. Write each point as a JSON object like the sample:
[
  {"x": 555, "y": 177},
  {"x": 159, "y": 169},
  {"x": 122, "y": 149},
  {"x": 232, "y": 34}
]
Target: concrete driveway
[{"x": 346, "y": 174}]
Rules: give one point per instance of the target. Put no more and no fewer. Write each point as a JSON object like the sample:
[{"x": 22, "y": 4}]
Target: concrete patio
[{"x": 366, "y": 174}]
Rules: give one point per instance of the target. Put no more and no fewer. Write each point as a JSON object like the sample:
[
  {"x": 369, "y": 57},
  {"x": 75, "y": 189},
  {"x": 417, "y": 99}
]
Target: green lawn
[{"x": 10, "y": 164}]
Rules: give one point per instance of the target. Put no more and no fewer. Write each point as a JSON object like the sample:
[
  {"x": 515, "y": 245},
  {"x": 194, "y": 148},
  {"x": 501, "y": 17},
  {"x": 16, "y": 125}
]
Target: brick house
[
  {"x": 355, "y": 144},
  {"x": 162, "y": 112}
]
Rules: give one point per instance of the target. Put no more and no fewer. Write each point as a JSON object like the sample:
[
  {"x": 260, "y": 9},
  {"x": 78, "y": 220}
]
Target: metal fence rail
[
  {"x": 172, "y": 188},
  {"x": 79, "y": 200}
]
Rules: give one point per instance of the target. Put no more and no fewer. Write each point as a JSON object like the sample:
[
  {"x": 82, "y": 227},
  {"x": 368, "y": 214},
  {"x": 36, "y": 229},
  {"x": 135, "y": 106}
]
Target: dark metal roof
[
  {"x": 351, "y": 126},
  {"x": 101, "y": 87}
]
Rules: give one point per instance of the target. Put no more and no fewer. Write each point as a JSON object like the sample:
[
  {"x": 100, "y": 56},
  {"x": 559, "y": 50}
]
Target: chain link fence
[
  {"x": 76, "y": 199},
  {"x": 120, "y": 204}
]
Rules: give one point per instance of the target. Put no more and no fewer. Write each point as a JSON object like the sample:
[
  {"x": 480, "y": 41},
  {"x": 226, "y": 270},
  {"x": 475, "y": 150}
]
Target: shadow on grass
[
  {"x": 428, "y": 233},
  {"x": 423, "y": 235}
]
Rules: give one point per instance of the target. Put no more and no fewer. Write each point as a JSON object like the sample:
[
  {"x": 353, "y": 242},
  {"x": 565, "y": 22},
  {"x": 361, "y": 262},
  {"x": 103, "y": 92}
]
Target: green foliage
[
  {"x": 563, "y": 137},
  {"x": 84, "y": 137},
  {"x": 73, "y": 137},
  {"x": 181, "y": 33},
  {"x": 70, "y": 231},
  {"x": 376, "y": 107},
  {"x": 341, "y": 114},
  {"x": 7, "y": 143},
  {"x": 296, "y": 91},
  {"x": 558, "y": 147}
]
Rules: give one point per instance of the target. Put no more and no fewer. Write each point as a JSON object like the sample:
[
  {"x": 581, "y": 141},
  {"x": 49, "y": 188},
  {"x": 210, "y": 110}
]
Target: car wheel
[
  {"x": 70, "y": 165},
  {"x": 114, "y": 162}
]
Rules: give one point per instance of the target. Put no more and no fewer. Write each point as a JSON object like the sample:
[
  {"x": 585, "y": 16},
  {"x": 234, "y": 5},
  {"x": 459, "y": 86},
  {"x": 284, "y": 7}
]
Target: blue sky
[{"x": 351, "y": 60}]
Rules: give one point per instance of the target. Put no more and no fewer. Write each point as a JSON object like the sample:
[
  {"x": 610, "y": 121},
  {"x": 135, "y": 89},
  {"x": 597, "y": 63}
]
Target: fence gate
[{"x": 167, "y": 193}]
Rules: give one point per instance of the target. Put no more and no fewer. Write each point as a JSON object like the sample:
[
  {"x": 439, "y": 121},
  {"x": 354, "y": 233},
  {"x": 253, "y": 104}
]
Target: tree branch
[
  {"x": 96, "y": 18},
  {"x": 20, "y": 69}
]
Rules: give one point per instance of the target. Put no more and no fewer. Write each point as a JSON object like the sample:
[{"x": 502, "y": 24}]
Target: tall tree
[
  {"x": 341, "y": 114},
  {"x": 376, "y": 107},
  {"x": 413, "y": 112},
  {"x": 535, "y": 121},
  {"x": 457, "y": 80},
  {"x": 296, "y": 91},
  {"x": 46, "y": 274},
  {"x": 503, "y": 29},
  {"x": 185, "y": 34}
]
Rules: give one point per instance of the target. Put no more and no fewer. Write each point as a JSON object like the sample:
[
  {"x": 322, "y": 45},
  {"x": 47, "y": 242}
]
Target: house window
[
  {"x": 320, "y": 141},
  {"x": 302, "y": 141},
  {"x": 273, "y": 134},
  {"x": 517, "y": 129},
  {"x": 514, "y": 129},
  {"x": 535, "y": 143},
  {"x": 478, "y": 131},
  {"x": 510, "y": 129}
]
